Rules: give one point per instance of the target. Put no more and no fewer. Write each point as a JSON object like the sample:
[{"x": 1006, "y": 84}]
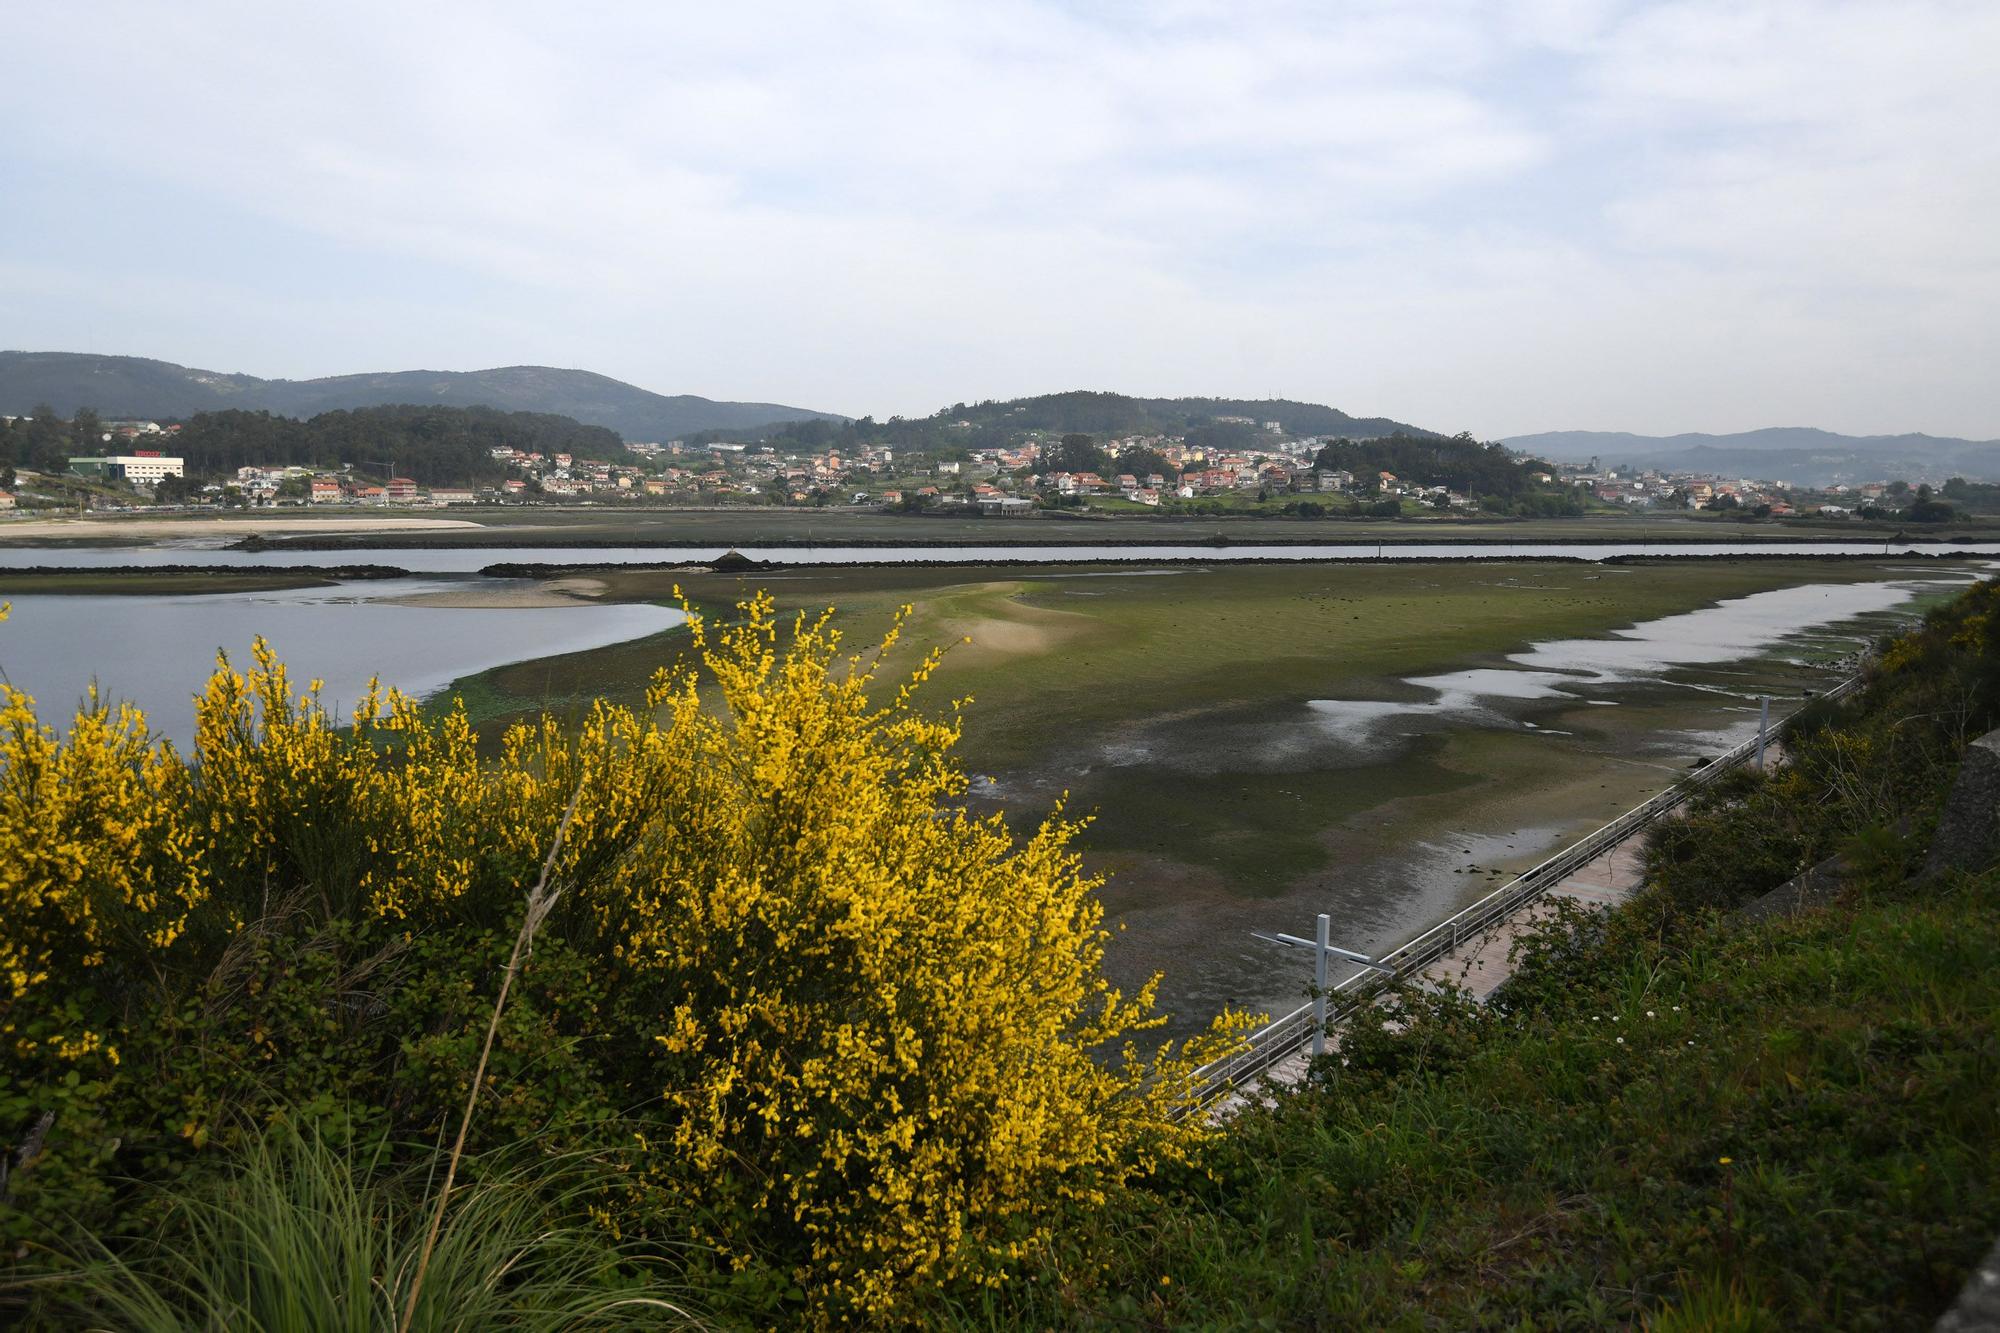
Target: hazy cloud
[{"x": 1502, "y": 217}]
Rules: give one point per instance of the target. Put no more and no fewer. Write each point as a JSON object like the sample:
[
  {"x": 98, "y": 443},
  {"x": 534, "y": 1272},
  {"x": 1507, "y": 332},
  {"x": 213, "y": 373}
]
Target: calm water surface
[
  {"x": 158, "y": 651},
  {"x": 435, "y": 561}
]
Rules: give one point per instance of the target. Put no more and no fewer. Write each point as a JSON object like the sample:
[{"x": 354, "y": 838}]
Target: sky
[{"x": 1501, "y": 216}]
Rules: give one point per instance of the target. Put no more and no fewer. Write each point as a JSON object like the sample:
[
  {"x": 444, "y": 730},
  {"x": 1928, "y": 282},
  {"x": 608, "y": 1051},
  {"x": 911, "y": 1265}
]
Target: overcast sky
[{"x": 1501, "y": 217}]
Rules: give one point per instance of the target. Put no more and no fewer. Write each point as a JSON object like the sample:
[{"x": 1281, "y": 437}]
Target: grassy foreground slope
[{"x": 1672, "y": 1117}]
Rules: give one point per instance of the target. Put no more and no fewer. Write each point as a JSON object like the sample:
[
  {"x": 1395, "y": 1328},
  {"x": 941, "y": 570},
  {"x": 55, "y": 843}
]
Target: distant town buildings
[{"x": 145, "y": 467}]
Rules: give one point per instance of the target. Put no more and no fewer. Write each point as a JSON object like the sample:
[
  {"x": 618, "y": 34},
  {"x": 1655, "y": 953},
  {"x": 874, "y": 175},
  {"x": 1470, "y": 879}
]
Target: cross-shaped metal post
[{"x": 1322, "y": 951}]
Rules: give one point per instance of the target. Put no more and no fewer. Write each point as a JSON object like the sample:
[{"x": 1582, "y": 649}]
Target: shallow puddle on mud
[{"x": 1567, "y": 669}]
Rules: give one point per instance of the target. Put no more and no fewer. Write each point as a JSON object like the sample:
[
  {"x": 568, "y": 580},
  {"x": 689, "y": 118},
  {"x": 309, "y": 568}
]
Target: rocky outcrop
[
  {"x": 1816, "y": 888},
  {"x": 1968, "y": 831},
  {"x": 1978, "y": 1307}
]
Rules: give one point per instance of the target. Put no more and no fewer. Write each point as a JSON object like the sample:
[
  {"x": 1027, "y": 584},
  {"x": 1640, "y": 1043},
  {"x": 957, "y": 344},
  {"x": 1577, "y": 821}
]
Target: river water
[
  {"x": 431, "y": 560},
  {"x": 158, "y": 651}
]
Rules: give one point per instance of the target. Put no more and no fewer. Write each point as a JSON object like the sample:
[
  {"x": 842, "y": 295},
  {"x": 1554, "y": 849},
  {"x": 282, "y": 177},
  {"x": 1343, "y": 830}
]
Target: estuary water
[{"x": 157, "y": 652}]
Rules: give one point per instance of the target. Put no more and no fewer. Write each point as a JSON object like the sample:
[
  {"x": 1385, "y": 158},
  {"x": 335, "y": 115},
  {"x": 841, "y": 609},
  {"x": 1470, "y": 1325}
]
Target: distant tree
[
  {"x": 435, "y": 445},
  {"x": 46, "y": 440},
  {"x": 7, "y": 478},
  {"x": 1898, "y": 489},
  {"x": 1142, "y": 462},
  {"x": 177, "y": 490},
  {"x": 1463, "y": 464},
  {"x": 1076, "y": 453},
  {"x": 1976, "y": 497},
  {"x": 1926, "y": 508},
  {"x": 86, "y": 431}
]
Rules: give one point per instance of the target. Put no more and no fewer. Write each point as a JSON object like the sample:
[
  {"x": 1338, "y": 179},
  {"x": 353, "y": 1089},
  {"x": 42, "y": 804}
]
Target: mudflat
[{"x": 153, "y": 529}]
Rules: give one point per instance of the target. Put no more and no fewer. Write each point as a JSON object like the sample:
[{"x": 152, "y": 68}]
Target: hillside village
[{"x": 1264, "y": 467}]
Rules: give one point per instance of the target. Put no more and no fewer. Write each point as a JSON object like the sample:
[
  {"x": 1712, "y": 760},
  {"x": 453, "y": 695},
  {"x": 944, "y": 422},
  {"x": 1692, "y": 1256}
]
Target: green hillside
[
  {"x": 130, "y": 386},
  {"x": 1000, "y": 423}
]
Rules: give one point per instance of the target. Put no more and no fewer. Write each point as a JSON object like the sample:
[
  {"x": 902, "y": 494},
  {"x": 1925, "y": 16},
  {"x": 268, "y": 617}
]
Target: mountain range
[
  {"x": 1800, "y": 455},
  {"x": 130, "y": 386}
]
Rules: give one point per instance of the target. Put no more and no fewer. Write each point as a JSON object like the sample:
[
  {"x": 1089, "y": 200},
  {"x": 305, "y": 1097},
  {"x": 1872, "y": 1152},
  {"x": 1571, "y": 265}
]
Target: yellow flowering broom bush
[{"x": 851, "y": 1037}]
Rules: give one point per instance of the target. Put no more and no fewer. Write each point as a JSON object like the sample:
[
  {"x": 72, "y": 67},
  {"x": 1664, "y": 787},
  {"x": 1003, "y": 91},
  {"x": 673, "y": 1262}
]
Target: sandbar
[{"x": 513, "y": 595}]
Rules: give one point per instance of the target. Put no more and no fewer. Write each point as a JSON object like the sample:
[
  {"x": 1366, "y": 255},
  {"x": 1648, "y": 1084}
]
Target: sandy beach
[
  {"x": 147, "y": 529},
  {"x": 514, "y": 594}
]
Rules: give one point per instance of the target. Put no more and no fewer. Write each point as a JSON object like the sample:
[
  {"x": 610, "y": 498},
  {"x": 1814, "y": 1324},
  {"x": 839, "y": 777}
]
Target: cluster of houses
[
  {"x": 1007, "y": 482},
  {"x": 265, "y": 485},
  {"x": 1675, "y": 490}
]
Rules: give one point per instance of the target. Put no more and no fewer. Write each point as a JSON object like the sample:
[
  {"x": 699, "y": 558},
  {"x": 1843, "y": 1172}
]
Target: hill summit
[{"x": 132, "y": 386}]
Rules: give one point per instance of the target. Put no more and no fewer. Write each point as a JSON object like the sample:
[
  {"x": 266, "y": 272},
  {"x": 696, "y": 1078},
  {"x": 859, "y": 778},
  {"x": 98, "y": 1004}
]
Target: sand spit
[{"x": 511, "y": 595}]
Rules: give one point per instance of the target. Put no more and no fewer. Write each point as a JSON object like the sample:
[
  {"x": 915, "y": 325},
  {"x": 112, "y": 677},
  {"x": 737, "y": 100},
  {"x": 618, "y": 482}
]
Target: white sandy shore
[
  {"x": 143, "y": 529},
  {"x": 555, "y": 592}
]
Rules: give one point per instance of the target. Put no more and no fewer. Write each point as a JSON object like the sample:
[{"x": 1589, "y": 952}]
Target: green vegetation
[
  {"x": 432, "y": 445},
  {"x": 44, "y": 441},
  {"x": 1460, "y": 463},
  {"x": 733, "y": 957},
  {"x": 993, "y": 424},
  {"x": 1669, "y": 1117},
  {"x": 293, "y": 1235}
]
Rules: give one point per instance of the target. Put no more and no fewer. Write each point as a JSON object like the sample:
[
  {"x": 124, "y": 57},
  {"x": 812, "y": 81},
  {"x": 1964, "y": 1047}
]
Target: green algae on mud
[
  {"x": 1160, "y": 702},
  {"x": 1062, "y": 661}
]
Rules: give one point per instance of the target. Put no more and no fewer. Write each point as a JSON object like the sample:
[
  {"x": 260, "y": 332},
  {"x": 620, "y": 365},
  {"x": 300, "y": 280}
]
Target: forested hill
[
  {"x": 1119, "y": 414},
  {"x": 995, "y": 424},
  {"x": 131, "y": 386},
  {"x": 437, "y": 446}
]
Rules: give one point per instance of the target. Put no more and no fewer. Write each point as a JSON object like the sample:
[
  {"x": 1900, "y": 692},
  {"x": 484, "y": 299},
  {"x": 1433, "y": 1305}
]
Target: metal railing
[{"x": 1287, "y": 1033}]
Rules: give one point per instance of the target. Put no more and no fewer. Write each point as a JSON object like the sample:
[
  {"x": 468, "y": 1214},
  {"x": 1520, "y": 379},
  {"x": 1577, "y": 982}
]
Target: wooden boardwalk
[{"x": 1480, "y": 963}]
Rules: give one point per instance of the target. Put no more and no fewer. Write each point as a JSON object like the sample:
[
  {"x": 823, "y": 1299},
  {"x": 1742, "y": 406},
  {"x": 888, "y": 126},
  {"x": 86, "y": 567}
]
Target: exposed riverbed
[{"x": 1433, "y": 796}]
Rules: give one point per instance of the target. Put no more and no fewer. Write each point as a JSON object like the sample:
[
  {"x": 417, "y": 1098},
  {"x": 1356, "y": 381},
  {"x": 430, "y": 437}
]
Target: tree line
[{"x": 432, "y": 445}]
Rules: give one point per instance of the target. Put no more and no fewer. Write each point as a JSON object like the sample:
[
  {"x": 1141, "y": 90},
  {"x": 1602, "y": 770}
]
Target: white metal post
[
  {"x": 1763, "y": 727},
  {"x": 1322, "y": 939}
]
